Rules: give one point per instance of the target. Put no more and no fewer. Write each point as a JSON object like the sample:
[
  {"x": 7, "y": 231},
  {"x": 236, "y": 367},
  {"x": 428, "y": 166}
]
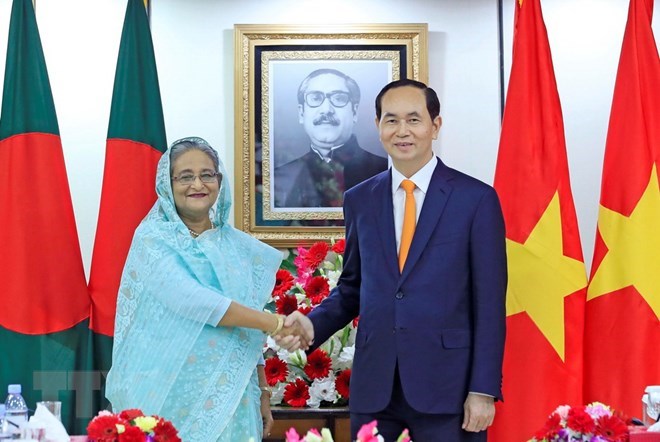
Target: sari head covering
[{"x": 169, "y": 358}]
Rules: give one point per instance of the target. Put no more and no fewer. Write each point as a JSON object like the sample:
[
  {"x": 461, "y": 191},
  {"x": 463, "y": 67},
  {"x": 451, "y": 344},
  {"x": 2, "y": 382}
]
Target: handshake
[{"x": 297, "y": 332}]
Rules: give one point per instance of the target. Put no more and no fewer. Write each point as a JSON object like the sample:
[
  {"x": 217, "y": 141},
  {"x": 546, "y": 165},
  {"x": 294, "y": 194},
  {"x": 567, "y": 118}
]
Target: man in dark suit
[
  {"x": 430, "y": 341},
  {"x": 328, "y": 102}
]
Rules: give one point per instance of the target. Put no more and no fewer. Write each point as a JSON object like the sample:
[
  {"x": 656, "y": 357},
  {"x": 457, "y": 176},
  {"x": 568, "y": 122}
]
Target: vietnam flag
[
  {"x": 547, "y": 279},
  {"x": 136, "y": 141},
  {"x": 622, "y": 330},
  {"x": 44, "y": 304}
]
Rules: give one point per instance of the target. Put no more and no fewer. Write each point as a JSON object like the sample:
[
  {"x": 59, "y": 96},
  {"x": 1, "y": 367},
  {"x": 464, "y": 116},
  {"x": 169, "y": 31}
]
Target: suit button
[{"x": 399, "y": 295}]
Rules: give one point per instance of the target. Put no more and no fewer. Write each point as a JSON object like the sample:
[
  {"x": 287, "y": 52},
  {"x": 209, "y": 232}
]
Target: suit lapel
[
  {"x": 434, "y": 204},
  {"x": 384, "y": 215}
]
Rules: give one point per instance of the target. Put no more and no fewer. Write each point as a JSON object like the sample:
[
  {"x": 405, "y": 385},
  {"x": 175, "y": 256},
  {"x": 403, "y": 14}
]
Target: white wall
[{"x": 194, "y": 53}]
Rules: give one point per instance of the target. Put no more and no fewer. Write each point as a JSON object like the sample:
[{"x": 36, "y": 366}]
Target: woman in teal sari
[{"x": 189, "y": 327}]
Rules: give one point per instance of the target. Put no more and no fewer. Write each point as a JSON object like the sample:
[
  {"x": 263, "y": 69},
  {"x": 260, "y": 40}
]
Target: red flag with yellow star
[
  {"x": 547, "y": 278},
  {"x": 622, "y": 330}
]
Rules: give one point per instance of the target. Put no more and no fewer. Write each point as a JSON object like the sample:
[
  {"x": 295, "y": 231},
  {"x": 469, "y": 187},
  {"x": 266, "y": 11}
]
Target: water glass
[{"x": 55, "y": 408}]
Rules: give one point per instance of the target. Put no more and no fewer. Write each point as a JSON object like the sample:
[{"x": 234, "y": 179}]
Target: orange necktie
[{"x": 409, "y": 221}]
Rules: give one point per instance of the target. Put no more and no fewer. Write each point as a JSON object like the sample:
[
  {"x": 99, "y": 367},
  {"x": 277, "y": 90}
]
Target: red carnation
[
  {"x": 276, "y": 370},
  {"x": 318, "y": 364},
  {"x": 355, "y": 321},
  {"x": 131, "y": 414},
  {"x": 612, "y": 428},
  {"x": 283, "y": 282},
  {"x": 296, "y": 393},
  {"x": 164, "y": 431},
  {"x": 103, "y": 428},
  {"x": 580, "y": 421},
  {"x": 317, "y": 289},
  {"x": 316, "y": 254},
  {"x": 343, "y": 382},
  {"x": 304, "y": 309},
  {"x": 339, "y": 246},
  {"x": 132, "y": 434},
  {"x": 286, "y": 304}
]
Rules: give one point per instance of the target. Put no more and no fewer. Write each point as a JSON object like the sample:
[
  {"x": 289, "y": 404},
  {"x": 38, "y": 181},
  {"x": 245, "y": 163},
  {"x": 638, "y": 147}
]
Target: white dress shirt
[{"x": 422, "y": 179}]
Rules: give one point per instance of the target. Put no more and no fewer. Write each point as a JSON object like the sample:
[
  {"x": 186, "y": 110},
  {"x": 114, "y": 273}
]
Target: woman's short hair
[{"x": 179, "y": 147}]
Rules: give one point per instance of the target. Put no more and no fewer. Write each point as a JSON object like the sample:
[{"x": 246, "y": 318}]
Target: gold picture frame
[{"x": 271, "y": 61}]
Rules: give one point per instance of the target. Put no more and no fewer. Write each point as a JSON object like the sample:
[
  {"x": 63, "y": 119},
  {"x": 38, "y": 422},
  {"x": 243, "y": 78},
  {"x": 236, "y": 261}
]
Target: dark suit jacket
[
  {"x": 443, "y": 320},
  {"x": 309, "y": 181}
]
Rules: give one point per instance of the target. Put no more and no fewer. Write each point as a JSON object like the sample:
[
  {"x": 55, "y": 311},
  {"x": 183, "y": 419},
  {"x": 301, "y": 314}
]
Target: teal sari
[{"x": 169, "y": 358}]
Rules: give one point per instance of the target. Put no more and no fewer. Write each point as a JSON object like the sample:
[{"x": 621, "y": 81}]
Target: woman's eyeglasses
[{"x": 187, "y": 179}]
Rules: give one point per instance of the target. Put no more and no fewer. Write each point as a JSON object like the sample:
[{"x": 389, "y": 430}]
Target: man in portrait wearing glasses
[{"x": 328, "y": 102}]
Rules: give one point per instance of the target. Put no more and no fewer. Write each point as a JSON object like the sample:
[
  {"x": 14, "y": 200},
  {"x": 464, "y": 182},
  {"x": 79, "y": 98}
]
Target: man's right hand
[{"x": 297, "y": 333}]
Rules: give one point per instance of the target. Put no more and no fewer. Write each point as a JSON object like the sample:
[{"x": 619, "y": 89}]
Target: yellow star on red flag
[
  {"x": 633, "y": 244},
  {"x": 541, "y": 276}
]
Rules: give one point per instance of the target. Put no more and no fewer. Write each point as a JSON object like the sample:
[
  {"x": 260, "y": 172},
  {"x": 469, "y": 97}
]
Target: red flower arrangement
[
  {"x": 321, "y": 378},
  {"x": 131, "y": 426},
  {"x": 595, "y": 422}
]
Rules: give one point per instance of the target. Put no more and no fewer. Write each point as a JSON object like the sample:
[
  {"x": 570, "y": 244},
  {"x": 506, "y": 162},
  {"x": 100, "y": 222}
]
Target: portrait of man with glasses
[{"x": 328, "y": 102}]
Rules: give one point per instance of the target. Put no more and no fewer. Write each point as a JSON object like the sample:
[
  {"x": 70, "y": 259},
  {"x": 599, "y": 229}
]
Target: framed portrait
[{"x": 305, "y": 120}]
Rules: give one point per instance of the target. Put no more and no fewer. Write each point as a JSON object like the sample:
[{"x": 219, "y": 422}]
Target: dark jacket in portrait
[{"x": 309, "y": 181}]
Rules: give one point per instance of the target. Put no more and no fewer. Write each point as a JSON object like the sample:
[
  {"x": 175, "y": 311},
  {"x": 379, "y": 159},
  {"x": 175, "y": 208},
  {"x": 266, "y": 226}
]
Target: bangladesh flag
[
  {"x": 547, "y": 278},
  {"x": 44, "y": 335},
  {"x": 136, "y": 141}
]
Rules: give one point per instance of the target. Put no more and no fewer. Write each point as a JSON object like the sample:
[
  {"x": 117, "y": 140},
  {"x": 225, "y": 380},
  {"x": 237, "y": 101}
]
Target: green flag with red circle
[{"x": 44, "y": 303}]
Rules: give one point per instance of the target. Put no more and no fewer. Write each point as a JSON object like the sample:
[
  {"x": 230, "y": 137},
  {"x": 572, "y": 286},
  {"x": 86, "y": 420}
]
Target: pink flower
[
  {"x": 404, "y": 436},
  {"x": 292, "y": 435},
  {"x": 300, "y": 262},
  {"x": 368, "y": 432},
  {"x": 562, "y": 411}
]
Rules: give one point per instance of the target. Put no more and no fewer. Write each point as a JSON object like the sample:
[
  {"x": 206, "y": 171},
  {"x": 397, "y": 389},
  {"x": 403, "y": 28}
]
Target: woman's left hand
[{"x": 266, "y": 413}]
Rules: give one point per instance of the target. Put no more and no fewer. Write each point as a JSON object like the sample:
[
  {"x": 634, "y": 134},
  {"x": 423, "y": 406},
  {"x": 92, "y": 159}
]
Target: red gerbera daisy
[
  {"x": 276, "y": 370},
  {"x": 612, "y": 428},
  {"x": 343, "y": 382},
  {"x": 286, "y": 304},
  {"x": 316, "y": 254},
  {"x": 296, "y": 393},
  {"x": 132, "y": 434},
  {"x": 304, "y": 309},
  {"x": 164, "y": 431},
  {"x": 317, "y": 289},
  {"x": 580, "y": 421},
  {"x": 131, "y": 414},
  {"x": 339, "y": 246},
  {"x": 283, "y": 282},
  {"x": 103, "y": 428},
  {"x": 318, "y": 364}
]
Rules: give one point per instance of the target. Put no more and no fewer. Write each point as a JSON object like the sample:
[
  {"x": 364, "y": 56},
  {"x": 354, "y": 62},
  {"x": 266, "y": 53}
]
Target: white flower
[
  {"x": 284, "y": 354},
  {"x": 271, "y": 344},
  {"x": 333, "y": 277},
  {"x": 324, "y": 437},
  {"x": 329, "y": 263},
  {"x": 345, "y": 359},
  {"x": 277, "y": 393},
  {"x": 322, "y": 390},
  {"x": 298, "y": 358},
  {"x": 332, "y": 346},
  {"x": 313, "y": 401}
]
